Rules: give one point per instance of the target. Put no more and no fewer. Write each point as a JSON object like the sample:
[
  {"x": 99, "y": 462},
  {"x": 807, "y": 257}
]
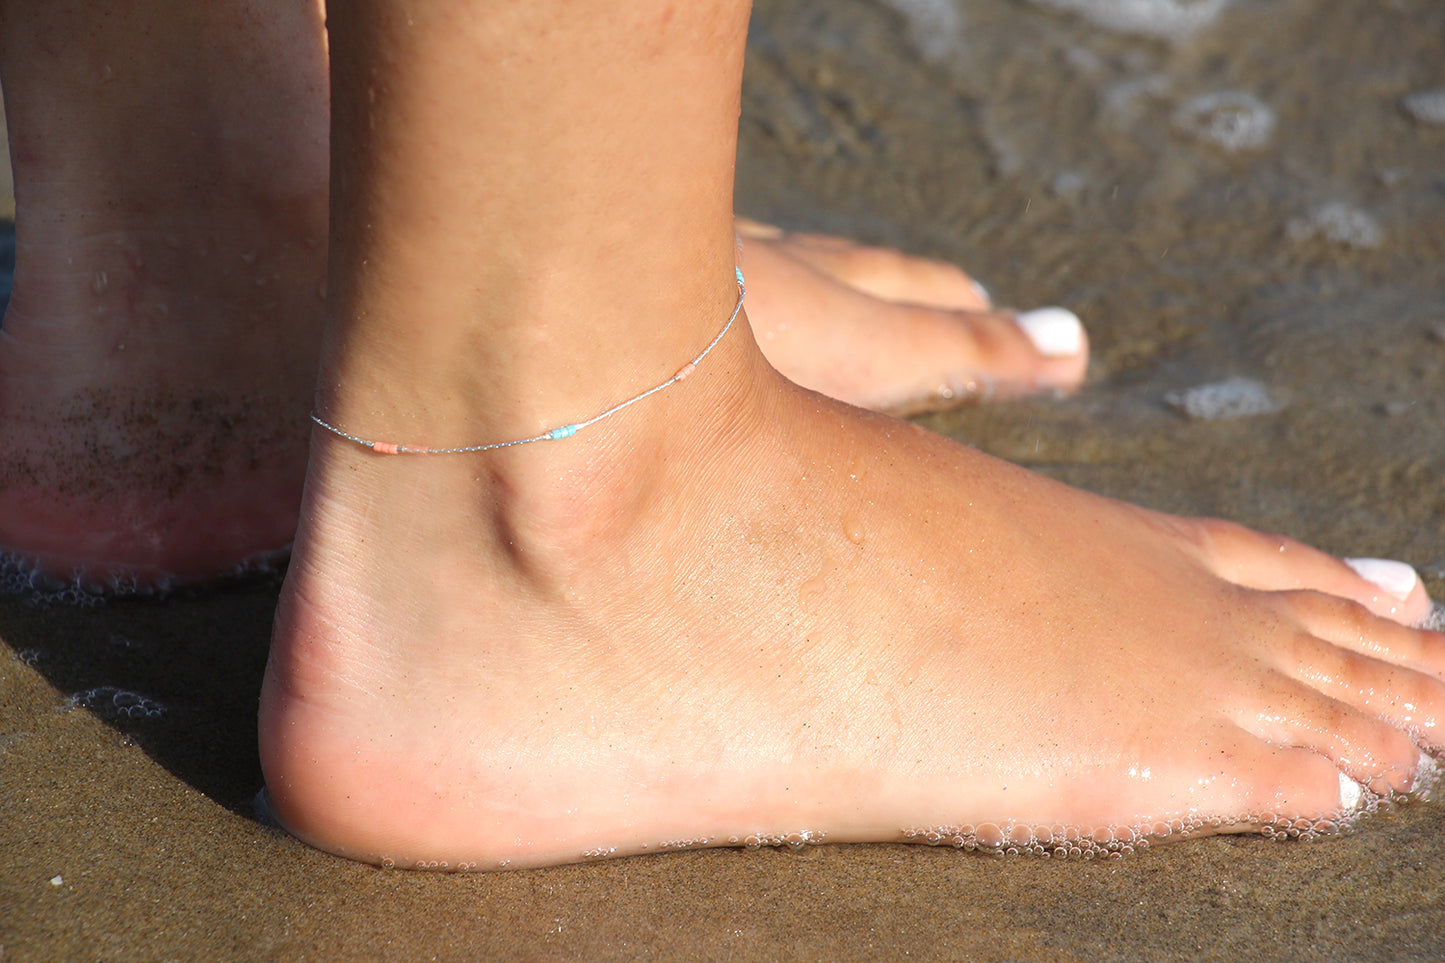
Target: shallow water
[{"x": 1063, "y": 161}]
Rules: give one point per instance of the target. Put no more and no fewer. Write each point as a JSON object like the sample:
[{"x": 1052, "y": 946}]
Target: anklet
[{"x": 556, "y": 434}]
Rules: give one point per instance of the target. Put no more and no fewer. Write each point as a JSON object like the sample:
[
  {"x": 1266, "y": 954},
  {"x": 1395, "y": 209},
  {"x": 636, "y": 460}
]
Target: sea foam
[
  {"x": 1169, "y": 19},
  {"x": 1231, "y": 119},
  {"x": 935, "y": 27},
  {"x": 1426, "y": 106},
  {"x": 1340, "y": 223},
  {"x": 1231, "y": 398}
]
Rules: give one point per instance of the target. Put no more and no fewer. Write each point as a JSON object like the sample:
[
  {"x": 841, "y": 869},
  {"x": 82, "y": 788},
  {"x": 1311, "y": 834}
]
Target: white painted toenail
[
  {"x": 1394, "y": 577},
  {"x": 982, "y": 292},
  {"x": 1350, "y": 793},
  {"x": 1055, "y": 332}
]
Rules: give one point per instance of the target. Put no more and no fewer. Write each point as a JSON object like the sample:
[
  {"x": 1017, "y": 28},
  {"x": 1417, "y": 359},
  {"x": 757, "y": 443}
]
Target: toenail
[
  {"x": 1394, "y": 577},
  {"x": 1350, "y": 793},
  {"x": 981, "y": 291},
  {"x": 1055, "y": 332}
]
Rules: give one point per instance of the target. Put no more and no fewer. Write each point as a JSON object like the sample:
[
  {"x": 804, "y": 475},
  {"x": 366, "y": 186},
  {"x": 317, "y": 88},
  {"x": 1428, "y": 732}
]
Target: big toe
[{"x": 936, "y": 359}]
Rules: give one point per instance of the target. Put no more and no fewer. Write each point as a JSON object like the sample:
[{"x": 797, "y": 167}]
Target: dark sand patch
[{"x": 1042, "y": 154}]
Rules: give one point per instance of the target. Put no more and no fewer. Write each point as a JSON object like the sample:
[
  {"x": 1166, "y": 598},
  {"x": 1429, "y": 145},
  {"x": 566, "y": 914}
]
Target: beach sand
[{"x": 1254, "y": 201}]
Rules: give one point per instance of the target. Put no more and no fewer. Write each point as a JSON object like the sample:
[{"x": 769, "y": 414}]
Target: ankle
[
  {"x": 411, "y": 372},
  {"x": 555, "y": 507}
]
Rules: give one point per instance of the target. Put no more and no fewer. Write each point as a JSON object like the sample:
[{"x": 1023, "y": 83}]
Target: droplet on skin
[
  {"x": 853, "y": 528},
  {"x": 810, "y": 592}
]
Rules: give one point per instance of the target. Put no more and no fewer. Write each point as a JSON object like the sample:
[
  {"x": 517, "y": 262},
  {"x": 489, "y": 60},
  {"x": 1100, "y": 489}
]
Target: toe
[
  {"x": 1396, "y": 580},
  {"x": 1356, "y": 741},
  {"x": 1294, "y": 789},
  {"x": 1400, "y": 697},
  {"x": 1054, "y": 332},
  {"x": 903, "y": 358},
  {"x": 1352, "y": 626},
  {"x": 1274, "y": 563},
  {"x": 988, "y": 354},
  {"x": 1260, "y": 786}
]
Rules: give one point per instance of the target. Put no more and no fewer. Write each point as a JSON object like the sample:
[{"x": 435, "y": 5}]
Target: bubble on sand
[
  {"x": 935, "y": 27},
  {"x": 28, "y": 577},
  {"x": 1231, "y": 119},
  {"x": 1340, "y": 223},
  {"x": 1166, "y": 19},
  {"x": 687, "y": 843},
  {"x": 793, "y": 840},
  {"x": 112, "y": 703},
  {"x": 1426, "y": 106},
  {"x": 1116, "y": 841},
  {"x": 1219, "y": 400}
]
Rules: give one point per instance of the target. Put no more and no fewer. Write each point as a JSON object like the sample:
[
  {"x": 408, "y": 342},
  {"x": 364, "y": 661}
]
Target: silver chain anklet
[{"x": 556, "y": 434}]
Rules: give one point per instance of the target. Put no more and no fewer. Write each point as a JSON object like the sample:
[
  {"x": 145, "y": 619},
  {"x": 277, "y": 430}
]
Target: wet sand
[{"x": 1062, "y": 163}]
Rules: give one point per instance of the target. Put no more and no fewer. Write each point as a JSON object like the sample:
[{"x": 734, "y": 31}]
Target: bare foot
[
  {"x": 882, "y": 330},
  {"x": 158, "y": 357},
  {"x": 758, "y": 615}
]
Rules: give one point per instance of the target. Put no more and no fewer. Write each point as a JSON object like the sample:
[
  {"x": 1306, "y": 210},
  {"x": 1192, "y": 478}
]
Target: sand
[{"x": 1062, "y": 163}]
